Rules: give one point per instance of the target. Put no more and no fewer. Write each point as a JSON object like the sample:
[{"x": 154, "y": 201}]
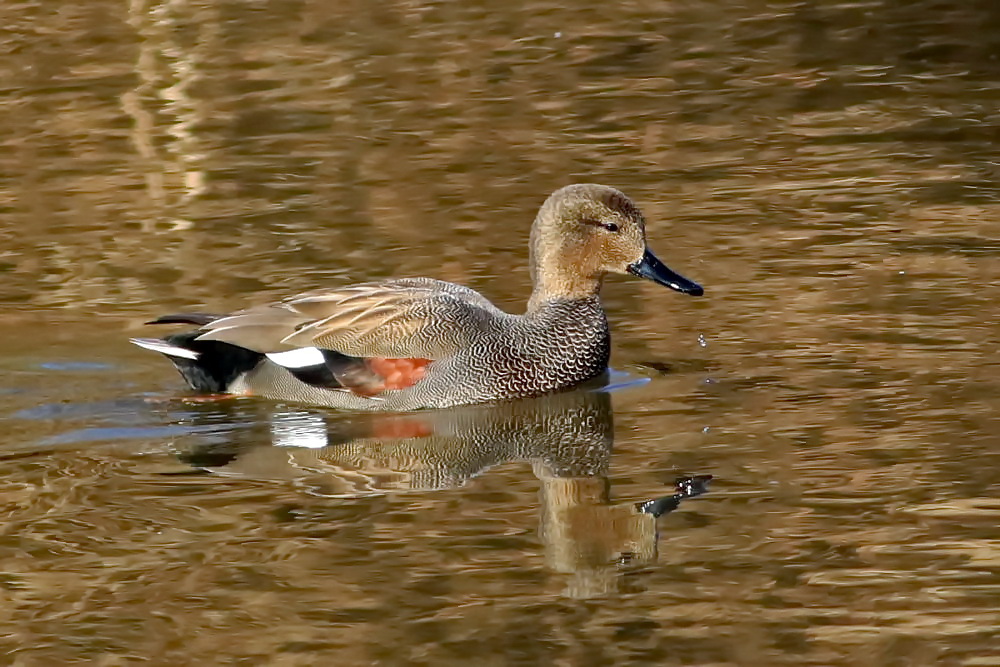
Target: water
[{"x": 827, "y": 170}]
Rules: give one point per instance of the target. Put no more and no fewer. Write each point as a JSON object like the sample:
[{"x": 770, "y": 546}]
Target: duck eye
[{"x": 609, "y": 226}]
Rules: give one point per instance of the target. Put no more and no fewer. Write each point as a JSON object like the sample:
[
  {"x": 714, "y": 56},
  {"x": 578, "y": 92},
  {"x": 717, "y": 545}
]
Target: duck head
[{"x": 586, "y": 231}]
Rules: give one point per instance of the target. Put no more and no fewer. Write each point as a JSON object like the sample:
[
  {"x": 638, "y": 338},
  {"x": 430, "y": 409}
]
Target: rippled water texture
[{"x": 828, "y": 170}]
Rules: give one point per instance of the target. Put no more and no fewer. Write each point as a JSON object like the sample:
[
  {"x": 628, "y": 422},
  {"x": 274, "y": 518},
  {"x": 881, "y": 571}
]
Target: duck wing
[{"x": 409, "y": 318}]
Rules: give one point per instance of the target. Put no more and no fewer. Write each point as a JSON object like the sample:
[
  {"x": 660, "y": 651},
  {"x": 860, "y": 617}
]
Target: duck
[{"x": 415, "y": 343}]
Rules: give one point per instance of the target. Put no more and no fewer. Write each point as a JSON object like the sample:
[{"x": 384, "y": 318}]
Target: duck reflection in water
[{"x": 567, "y": 438}]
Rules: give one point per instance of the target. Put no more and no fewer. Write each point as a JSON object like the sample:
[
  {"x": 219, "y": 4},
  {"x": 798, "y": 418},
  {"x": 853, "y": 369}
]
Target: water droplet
[
  {"x": 705, "y": 430},
  {"x": 702, "y": 341},
  {"x": 557, "y": 35},
  {"x": 902, "y": 273}
]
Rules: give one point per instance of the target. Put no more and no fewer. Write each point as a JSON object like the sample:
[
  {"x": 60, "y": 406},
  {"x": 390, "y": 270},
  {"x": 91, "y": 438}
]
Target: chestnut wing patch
[{"x": 381, "y": 374}]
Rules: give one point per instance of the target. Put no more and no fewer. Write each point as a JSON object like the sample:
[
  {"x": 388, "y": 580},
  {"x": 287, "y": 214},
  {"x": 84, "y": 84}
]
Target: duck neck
[
  {"x": 552, "y": 285},
  {"x": 560, "y": 270}
]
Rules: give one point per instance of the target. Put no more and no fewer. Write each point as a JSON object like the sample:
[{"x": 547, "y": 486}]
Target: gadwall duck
[{"x": 421, "y": 343}]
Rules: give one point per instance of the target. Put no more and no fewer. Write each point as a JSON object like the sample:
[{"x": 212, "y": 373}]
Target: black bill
[{"x": 651, "y": 268}]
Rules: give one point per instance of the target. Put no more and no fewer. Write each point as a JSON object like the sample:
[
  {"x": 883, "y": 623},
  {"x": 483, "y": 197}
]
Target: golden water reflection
[{"x": 567, "y": 439}]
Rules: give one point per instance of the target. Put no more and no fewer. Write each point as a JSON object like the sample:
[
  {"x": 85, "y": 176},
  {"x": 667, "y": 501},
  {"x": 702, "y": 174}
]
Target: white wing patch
[{"x": 301, "y": 357}]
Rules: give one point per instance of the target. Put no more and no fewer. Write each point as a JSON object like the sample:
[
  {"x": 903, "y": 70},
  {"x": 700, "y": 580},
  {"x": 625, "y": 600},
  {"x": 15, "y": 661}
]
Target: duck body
[{"x": 406, "y": 344}]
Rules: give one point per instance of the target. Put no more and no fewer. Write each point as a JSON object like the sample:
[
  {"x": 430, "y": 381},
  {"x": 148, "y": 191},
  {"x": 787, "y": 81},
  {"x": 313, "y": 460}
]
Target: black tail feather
[
  {"x": 198, "y": 319},
  {"x": 217, "y": 365}
]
